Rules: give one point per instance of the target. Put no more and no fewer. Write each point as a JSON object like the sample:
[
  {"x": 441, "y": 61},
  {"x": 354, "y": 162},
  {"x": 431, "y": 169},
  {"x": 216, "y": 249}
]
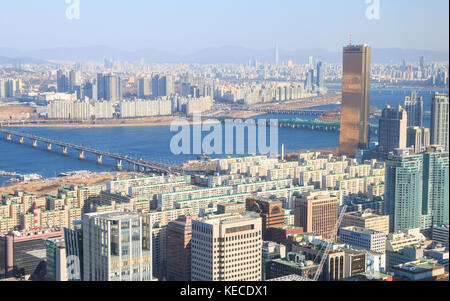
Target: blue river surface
[{"x": 153, "y": 142}]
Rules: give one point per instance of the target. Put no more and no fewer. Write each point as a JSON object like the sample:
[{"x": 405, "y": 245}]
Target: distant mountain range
[{"x": 226, "y": 54}]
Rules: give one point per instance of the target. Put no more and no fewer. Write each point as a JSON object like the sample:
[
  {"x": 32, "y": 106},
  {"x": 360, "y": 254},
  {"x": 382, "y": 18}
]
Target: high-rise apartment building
[
  {"x": 109, "y": 87},
  {"x": 440, "y": 120},
  {"x": 62, "y": 81},
  {"x": 392, "y": 129},
  {"x": 403, "y": 196},
  {"x": 162, "y": 85},
  {"x": 309, "y": 84},
  {"x": 179, "y": 234},
  {"x": 227, "y": 248},
  {"x": 144, "y": 88},
  {"x": 418, "y": 138},
  {"x": 74, "y": 81},
  {"x": 413, "y": 105},
  {"x": 436, "y": 185},
  {"x": 320, "y": 79},
  {"x": 317, "y": 212},
  {"x": 355, "y": 114},
  {"x": 117, "y": 246}
]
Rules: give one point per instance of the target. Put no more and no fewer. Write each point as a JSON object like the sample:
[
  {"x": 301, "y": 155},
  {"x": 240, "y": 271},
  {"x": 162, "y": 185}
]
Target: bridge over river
[{"x": 139, "y": 164}]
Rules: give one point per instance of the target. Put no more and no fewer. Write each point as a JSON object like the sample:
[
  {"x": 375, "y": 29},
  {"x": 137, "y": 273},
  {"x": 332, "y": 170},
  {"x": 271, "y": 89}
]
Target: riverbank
[
  {"x": 51, "y": 186},
  {"x": 255, "y": 110}
]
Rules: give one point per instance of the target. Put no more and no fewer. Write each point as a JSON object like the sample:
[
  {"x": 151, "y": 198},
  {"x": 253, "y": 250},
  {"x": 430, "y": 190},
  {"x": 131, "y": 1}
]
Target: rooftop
[
  {"x": 361, "y": 230},
  {"x": 114, "y": 215},
  {"x": 418, "y": 266}
]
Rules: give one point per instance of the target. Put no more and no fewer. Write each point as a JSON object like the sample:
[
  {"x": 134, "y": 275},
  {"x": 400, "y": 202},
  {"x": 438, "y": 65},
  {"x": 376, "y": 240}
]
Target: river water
[{"x": 153, "y": 142}]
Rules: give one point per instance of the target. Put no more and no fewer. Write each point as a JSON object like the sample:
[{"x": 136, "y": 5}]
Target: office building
[
  {"x": 271, "y": 212},
  {"x": 403, "y": 196},
  {"x": 23, "y": 254},
  {"x": 56, "y": 260},
  {"x": 413, "y": 105},
  {"x": 317, "y": 212},
  {"x": 179, "y": 234},
  {"x": 420, "y": 270},
  {"x": 355, "y": 119},
  {"x": 73, "y": 239},
  {"x": 271, "y": 251},
  {"x": 368, "y": 220},
  {"x": 117, "y": 246},
  {"x": 440, "y": 233},
  {"x": 440, "y": 120},
  {"x": 392, "y": 129},
  {"x": 365, "y": 239},
  {"x": 293, "y": 264},
  {"x": 355, "y": 261},
  {"x": 227, "y": 248},
  {"x": 335, "y": 263},
  {"x": 232, "y": 208}
]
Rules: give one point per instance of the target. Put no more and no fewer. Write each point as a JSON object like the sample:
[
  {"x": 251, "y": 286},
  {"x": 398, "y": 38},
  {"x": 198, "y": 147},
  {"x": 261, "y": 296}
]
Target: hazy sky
[{"x": 183, "y": 26}]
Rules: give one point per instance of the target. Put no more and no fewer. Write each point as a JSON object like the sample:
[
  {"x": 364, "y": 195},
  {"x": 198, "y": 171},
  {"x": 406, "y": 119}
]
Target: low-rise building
[{"x": 362, "y": 238}]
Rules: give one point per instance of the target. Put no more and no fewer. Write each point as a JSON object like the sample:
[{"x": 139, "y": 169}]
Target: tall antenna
[{"x": 350, "y": 40}]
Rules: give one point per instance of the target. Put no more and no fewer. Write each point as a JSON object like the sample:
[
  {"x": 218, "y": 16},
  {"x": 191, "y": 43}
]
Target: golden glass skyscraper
[{"x": 355, "y": 112}]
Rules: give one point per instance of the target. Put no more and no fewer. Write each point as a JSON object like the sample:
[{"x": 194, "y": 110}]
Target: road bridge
[{"x": 142, "y": 165}]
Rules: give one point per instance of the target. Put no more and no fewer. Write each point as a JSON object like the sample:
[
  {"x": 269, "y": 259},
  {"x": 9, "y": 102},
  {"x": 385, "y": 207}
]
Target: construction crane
[
  {"x": 329, "y": 246},
  {"x": 330, "y": 243}
]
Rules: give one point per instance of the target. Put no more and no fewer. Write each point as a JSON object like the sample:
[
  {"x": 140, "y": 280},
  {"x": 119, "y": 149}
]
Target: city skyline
[
  {"x": 202, "y": 162},
  {"x": 242, "y": 24}
]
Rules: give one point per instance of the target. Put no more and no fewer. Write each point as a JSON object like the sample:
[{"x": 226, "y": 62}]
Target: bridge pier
[
  {"x": 64, "y": 150},
  {"x": 8, "y": 137},
  {"x": 49, "y": 146},
  {"x": 99, "y": 159},
  {"x": 81, "y": 155},
  {"x": 119, "y": 164},
  {"x": 21, "y": 140},
  {"x": 34, "y": 143}
]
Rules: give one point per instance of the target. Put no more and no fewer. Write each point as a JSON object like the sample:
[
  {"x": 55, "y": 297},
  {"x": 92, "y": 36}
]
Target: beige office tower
[
  {"x": 117, "y": 246},
  {"x": 355, "y": 112},
  {"x": 367, "y": 220},
  {"x": 227, "y": 247},
  {"x": 317, "y": 212}
]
